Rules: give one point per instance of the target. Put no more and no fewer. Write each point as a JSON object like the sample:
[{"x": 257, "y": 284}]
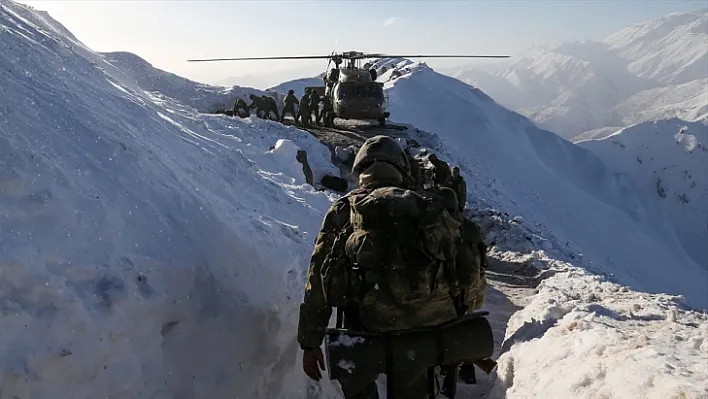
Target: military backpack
[{"x": 395, "y": 260}]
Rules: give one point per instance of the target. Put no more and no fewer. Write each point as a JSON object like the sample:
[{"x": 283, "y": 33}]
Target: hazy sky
[{"x": 167, "y": 33}]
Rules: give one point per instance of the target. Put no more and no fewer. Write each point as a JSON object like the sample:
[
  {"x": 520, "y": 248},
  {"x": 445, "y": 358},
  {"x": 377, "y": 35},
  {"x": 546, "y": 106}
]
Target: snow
[
  {"x": 510, "y": 164},
  {"x": 132, "y": 234},
  {"x": 298, "y": 85},
  {"x": 148, "y": 250},
  {"x": 348, "y": 341},
  {"x": 582, "y": 337},
  {"x": 669, "y": 159},
  {"x": 202, "y": 97},
  {"x": 653, "y": 70}
]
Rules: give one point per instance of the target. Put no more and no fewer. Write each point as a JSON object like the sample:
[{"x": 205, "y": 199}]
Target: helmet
[
  {"x": 381, "y": 149},
  {"x": 291, "y": 91}
]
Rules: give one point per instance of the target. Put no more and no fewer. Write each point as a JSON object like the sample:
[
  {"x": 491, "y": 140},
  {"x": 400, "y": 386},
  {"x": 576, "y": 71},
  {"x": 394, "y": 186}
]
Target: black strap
[
  {"x": 390, "y": 379},
  {"x": 340, "y": 318}
]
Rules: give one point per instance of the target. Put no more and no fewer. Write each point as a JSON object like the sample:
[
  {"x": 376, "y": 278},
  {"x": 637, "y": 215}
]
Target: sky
[{"x": 166, "y": 33}]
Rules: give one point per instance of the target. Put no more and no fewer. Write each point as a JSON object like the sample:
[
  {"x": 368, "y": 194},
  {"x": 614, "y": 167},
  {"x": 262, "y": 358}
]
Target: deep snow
[
  {"x": 151, "y": 251},
  {"x": 132, "y": 234},
  {"x": 669, "y": 159}
]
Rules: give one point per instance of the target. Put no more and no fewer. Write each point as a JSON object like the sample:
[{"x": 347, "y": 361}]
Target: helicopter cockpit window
[{"x": 352, "y": 90}]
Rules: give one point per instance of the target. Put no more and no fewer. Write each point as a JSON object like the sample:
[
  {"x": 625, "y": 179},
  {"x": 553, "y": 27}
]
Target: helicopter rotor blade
[
  {"x": 431, "y": 56},
  {"x": 292, "y": 57}
]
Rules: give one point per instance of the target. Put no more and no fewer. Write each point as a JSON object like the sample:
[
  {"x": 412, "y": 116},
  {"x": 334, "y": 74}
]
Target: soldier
[
  {"x": 441, "y": 170},
  {"x": 380, "y": 164},
  {"x": 457, "y": 183},
  {"x": 259, "y": 104},
  {"x": 290, "y": 101},
  {"x": 315, "y": 105},
  {"x": 270, "y": 106},
  {"x": 304, "y": 113},
  {"x": 327, "y": 112},
  {"x": 241, "y": 108}
]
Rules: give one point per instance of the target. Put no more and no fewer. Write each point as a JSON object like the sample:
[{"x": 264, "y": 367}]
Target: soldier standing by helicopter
[
  {"x": 315, "y": 105},
  {"x": 327, "y": 112},
  {"x": 304, "y": 113},
  {"x": 289, "y": 102}
]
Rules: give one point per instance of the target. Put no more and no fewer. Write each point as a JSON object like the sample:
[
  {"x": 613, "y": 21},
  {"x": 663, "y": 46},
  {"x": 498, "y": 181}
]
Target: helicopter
[{"x": 352, "y": 89}]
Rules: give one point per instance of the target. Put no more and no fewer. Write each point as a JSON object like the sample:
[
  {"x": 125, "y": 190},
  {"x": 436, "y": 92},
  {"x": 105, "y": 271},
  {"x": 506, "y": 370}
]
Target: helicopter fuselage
[{"x": 355, "y": 95}]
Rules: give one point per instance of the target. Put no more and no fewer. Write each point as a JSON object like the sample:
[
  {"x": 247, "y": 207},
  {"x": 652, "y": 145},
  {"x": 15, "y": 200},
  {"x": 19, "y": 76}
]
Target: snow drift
[
  {"x": 669, "y": 159},
  {"x": 132, "y": 233}
]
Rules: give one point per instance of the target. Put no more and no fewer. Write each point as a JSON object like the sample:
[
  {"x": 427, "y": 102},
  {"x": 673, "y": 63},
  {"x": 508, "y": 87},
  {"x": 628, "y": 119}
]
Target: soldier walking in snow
[{"x": 457, "y": 183}]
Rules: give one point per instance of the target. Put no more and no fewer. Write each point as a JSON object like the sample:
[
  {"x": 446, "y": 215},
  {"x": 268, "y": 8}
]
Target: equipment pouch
[{"x": 463, "y": 340}]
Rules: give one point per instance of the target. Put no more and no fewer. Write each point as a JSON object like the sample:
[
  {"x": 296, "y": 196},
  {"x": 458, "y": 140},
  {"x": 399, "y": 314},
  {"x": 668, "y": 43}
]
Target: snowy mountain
[
  {"x": 203, "y": 97},
  {"x": 670, "y": 158},
  {"x": 576, "y": 87},
  {"x": 298, "y": 85},
  {"x": 672, "y": 49},
  {"x": 148, "y": 250}
]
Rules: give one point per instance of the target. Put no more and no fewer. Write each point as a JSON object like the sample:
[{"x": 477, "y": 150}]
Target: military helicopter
[{"x": 352, "y": 89}]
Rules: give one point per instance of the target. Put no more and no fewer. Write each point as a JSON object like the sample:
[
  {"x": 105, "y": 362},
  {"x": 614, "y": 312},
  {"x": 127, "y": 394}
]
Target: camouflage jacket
[
  {"x": 290, "y": 101},
  {"x": 257, "y": 103},
  {"x": 315, "y": 311}
]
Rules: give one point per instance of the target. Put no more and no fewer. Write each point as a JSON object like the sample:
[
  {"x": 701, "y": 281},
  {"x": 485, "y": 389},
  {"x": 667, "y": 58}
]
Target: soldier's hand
[{"x": 312, "y": 362}]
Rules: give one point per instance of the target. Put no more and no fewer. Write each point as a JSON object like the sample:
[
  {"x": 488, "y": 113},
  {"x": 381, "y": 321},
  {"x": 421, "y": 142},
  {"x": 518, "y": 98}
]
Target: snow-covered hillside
[
  {"x": 202, "y": 97},
  {"x": 672, "y": 49},
  {"x": 669, "y": 159},
  {"x": 517, "y": 167},
  {"x": 132, "y": 233},
  {"x": 152, "y": 251},
  {"x": 649, "y": 71},
  {"x": 298, "y": 85}
]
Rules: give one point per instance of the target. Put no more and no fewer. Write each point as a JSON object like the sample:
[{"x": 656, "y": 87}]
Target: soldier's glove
[{"x": 312, "y": 362}]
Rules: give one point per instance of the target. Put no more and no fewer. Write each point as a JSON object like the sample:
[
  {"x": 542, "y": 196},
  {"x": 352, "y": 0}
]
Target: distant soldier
[
  {"x": 315, "y": 104},
  {"x": 327, "y": 112},
  {"x": 259, "y": 104},
  {"x": 457, "y": 183},
  {"x": 241, "y": 108},
  {"x": 290, "y": 101},
  {"x": 441, "y": 170},
  {"x": 271, "y": 106},
  {"x": 304, "y": 113}
]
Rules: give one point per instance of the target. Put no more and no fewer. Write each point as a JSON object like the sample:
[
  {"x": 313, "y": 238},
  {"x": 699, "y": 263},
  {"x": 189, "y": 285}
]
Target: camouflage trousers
[
  {"x": 288, "y": 110},
  {"x": 408, "y": 385}
]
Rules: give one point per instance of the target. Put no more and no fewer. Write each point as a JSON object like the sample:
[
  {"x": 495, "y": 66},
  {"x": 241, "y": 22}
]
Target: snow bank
[
  {"x": 132, "y": 234},
  {"x": 669, "y": 159},
  {"x": 583, "y": 337},
  {"x": 512, "y": 165}
]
